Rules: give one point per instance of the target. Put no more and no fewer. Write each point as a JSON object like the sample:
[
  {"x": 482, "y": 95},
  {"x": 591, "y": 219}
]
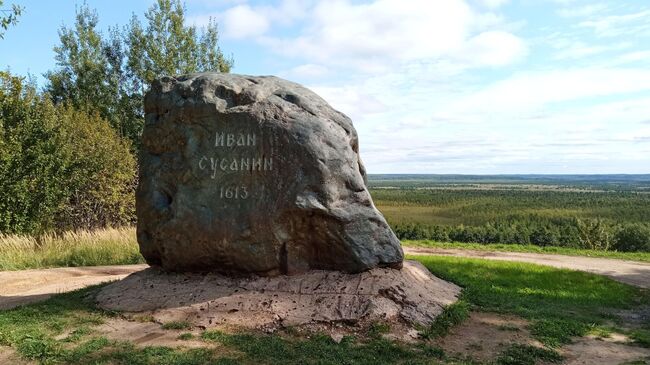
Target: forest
[{"x": 602, "y": 212}]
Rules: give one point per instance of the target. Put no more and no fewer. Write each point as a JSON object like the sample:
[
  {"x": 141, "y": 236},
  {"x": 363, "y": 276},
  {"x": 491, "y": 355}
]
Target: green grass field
[{"x": 559, "y": 304}]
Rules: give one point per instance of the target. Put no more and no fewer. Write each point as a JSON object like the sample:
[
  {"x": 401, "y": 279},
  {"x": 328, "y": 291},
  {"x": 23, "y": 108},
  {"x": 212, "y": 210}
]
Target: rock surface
[
  {"x": 254, "y": 175},
  {"x": 410, "y": 295}
]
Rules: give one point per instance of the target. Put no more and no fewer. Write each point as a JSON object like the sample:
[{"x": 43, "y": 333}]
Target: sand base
[{"x": 410, "y": 295}]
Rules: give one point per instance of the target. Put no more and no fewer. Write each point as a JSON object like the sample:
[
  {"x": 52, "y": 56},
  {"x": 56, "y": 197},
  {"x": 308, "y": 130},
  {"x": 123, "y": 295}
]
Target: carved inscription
[
  {"x": 234, "y": 139},
  {"x": 226, "y": 143}
]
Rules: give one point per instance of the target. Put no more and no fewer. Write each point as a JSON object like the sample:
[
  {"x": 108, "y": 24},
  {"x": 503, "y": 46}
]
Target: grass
[
  {"x": 497, "y": 247},
  {"x": 185, "y": 336},
  {"x": 558, "y": 303},
  {"x": 518, "y": 354},
  {"x": 177, "y": 325},
  {"x": 451, "y": 316},
  {"x": 111, "y": 246}
]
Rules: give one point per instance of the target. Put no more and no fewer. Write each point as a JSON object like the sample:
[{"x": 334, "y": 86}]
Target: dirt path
[
  {"x": 28, "y": 286},
  {"x": 629, "y": 272}
]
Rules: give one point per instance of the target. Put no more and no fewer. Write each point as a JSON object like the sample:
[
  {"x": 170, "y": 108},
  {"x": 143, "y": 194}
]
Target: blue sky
[{"x": 453, "y": 86}]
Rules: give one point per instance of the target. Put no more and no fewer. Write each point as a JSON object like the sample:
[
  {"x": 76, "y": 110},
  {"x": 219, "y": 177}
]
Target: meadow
[{"x": 604, "y": 212}]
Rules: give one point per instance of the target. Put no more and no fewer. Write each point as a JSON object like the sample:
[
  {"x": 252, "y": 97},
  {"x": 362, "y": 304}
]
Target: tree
[
  {"x": 8, "y": 17},
  {"x": 110, "y": 74},
  {"x": 167, "y": 47}
]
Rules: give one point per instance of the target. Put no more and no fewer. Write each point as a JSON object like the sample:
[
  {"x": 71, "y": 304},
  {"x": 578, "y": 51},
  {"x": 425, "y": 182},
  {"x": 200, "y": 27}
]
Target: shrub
[
  {"x": 60, "y": 168},
  {"x": 632, "y": 238}
]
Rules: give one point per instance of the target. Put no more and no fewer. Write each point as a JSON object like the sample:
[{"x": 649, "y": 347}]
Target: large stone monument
[
  {"x": 260, "y": 177},
  {"x": 254, "y": 175}
]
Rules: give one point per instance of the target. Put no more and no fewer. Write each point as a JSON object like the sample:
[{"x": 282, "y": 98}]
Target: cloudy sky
[{"x": 435, "y": 86}]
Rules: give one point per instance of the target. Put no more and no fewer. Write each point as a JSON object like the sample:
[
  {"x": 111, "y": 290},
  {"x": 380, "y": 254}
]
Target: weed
[
  {"x": 641, "y": 337},
  {"x": 377, "y": 329},
  {"x": 508, "y": 327},
  {"x": 518, "y": 354},
  {"x": 177, "y": 325},
  {"x": 451, "y": 316},
  {"x": 185, "y": 336}
]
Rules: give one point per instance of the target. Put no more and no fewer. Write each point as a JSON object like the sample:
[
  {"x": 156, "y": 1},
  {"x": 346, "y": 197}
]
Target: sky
[{"x": 432, "y": 86}]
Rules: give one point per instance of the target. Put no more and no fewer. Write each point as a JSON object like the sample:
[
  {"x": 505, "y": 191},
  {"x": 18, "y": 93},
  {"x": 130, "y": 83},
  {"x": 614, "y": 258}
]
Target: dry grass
[{"x": 111, "y": 246}]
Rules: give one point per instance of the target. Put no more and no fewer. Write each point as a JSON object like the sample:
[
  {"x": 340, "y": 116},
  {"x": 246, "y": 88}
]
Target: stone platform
[{"x": 411, "y": 295}]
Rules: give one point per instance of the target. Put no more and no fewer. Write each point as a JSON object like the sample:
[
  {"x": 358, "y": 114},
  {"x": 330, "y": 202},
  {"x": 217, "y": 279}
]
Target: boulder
[{"x": 242, "y": 174}]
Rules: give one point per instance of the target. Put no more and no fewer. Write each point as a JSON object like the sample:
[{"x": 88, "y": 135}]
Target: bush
[
  {"x": 60, "y": 168},
  {"x": 632, "y": 238}
]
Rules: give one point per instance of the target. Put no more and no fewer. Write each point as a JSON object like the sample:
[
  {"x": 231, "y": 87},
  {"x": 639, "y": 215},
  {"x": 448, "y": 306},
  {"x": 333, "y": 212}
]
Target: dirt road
[
  {"x": 28, "y": 286},
  {"x": 629, "y": 272}
]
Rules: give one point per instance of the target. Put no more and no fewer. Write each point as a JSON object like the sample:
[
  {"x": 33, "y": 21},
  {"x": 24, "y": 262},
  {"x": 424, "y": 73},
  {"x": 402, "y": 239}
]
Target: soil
[
  {"x": 29, "y": 286},
  {"x": 412, "y": 295},
  {"x": 484, "y": 335},
  {"x": 628, "y": 272}
]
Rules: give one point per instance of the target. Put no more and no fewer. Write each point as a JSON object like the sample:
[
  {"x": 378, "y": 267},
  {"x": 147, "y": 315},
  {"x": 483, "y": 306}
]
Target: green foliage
[
  {"x": 109, "y": 74},
  {"x": 91, "y": 74},
  {"x": 525, "y": 215},
  {"x": 378, "y": 329},
  {"x": 166, "y": 46},
  {"x": 517, "y": 354},
  {"x": 641, "y": 336},
  {"x": 632, "y": 238},
  {"x": 557, "y": 332},
  {"x": 9, "y": 17},
  {"x": 177, "y": 325},
  {"x": 185, "y": 336},
  {"x": 594, "y": 235},
  {"x": 60, "y": 168},
  {"x": 69, "y": 249}
]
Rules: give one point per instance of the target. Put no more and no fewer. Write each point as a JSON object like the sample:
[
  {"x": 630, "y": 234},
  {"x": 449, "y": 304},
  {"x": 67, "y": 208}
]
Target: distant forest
[{"x": 603, "y": 212}]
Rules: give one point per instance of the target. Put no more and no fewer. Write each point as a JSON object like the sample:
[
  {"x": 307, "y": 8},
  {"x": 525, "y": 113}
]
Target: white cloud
[
  {"x": 493, "y": 4},
  {"x": 242, "y": 21},
  {"x": 617, "y": 25},
  {"x": 374, "y": 36},
  {"x": 536, "y": 89},
  {"x": 247, "y": 21},
  {"x": 306, "y": 72},
  {"x": 351, "y": 100},
  {"x": 493, "y": 48},
  {"x": 582, "y": 10}
]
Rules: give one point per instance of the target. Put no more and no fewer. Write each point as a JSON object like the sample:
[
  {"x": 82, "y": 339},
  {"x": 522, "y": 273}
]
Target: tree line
[
  {"x": 589, "y": 234},
  {"x": 68, "y": 150}
]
